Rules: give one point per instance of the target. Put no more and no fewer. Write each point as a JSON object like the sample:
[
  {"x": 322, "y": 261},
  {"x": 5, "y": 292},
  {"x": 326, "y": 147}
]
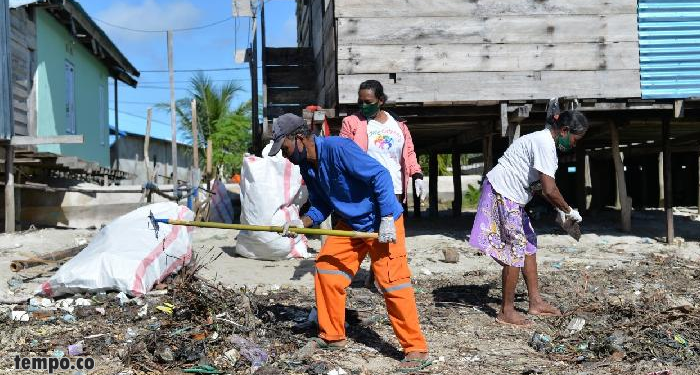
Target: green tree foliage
[
  {"x": 228, "y": 129},
  {"x": 444, "y": 162},
  {"x": 471, "y": 197}
]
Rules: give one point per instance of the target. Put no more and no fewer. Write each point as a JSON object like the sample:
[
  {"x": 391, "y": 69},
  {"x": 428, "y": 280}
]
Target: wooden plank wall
[
  {"x": 23, "y": 47},
  {"x": 465, "y": 50},
  {"x": 316, "y": 29}
]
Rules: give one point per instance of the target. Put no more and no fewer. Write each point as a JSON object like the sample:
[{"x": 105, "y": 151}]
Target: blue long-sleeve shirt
[{"x": 349, "y": 183}]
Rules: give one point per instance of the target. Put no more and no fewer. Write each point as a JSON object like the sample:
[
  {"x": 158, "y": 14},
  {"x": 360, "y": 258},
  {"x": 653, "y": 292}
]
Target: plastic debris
[
  {"x": 164, "y": 354},
  {"x": 68, "y": 318},
  {"x": 203, "y": 369},
  {"x": 122, "y": 298},
  {"x": 100, "y": 310},
  {"x": 662, "y": 372},
  {"x": 143, "y": 312},
  {"x": 40, "y": 302},
  {"x": 130, "y": 334},
  {"x": 232, "y": 356},
  {"x": 250, "y": 351},
  {"x": 338, "y": 371},
  {"x": 540, "y": 342},
  {"x": 75, "y": 349},
  {"x": 20, "y": 316},
  {"x": 15, "y": 282},
  {"x": 83, "y": 302},
  {"x": 426, "y": 272},
  {"x": 166, "y": 308},
  {"x": 67, "y": 305},
  {"x": 680, "y": 339},
  {"x": 616, "y": 341},
  {"x": 576, "y": 325},
  {"x": 557, "y": 265},
  {"x": 58, "y": 353}
]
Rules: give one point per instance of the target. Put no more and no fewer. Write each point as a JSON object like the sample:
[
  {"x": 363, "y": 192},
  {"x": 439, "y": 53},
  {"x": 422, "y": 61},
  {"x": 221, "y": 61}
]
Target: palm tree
[{"x": 213, "y": 105}]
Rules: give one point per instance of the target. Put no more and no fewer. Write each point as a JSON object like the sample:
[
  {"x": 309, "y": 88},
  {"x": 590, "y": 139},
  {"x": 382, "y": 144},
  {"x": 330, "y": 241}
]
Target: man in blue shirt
[{"x": 342, "y": 178}]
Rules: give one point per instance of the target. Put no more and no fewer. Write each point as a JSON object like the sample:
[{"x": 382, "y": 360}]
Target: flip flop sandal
[
  {"x": 420, "y": 364},
  {"x": 528, "y": 323},
  {"x": 322, "y": 344}
]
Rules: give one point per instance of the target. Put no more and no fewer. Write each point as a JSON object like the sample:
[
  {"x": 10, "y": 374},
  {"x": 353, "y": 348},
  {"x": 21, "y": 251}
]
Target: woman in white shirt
[
  {"x": 384, "y": 138},
  {"x": 502, "y": 228}
]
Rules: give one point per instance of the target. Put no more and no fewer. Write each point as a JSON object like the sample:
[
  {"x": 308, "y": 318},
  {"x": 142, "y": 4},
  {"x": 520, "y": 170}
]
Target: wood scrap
[{"x": 18, "y": 265}]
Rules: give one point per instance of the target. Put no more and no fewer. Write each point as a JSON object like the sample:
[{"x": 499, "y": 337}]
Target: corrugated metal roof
[{"x": 669, "y": 48}]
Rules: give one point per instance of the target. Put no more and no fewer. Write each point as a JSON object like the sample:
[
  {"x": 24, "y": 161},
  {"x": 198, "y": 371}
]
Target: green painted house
[{"x": 61, "y": 64}]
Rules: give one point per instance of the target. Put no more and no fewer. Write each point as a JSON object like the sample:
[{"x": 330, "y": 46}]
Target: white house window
[{"x": 70, "y": 97}]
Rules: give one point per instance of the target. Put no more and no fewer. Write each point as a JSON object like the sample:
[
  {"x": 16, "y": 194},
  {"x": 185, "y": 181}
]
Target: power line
[
  {"x": 162, "y": 31},
  {"x": 141, "y": 117},
  {"x": 196, "y": 70},
  {"x": 213, "y": 80}
]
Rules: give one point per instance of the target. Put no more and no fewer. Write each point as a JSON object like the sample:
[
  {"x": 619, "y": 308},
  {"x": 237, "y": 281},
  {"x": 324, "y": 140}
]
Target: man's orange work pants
[{"x": 336, "y": 265}]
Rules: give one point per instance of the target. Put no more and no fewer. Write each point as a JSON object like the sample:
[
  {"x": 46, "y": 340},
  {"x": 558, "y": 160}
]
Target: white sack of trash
[
  {"x": 272, "y": 193},
  {"x": 126, "y": 256}
]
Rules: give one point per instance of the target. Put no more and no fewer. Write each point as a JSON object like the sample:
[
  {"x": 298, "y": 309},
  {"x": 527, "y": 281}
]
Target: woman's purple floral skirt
[{"x": 502, "y": 229}]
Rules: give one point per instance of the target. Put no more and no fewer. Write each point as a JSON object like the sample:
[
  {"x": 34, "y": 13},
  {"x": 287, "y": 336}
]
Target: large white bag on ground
[
  {"x": 271, "y": 194},
  {"x": 126, "y": 256}
]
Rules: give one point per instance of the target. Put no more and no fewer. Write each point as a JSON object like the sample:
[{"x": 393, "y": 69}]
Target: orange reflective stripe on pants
[{"x": 338, "y": 262}]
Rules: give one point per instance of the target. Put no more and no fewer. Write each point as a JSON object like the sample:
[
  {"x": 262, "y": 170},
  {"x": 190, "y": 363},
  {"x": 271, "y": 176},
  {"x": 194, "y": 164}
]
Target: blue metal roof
[{"x": 669, "y": 48}]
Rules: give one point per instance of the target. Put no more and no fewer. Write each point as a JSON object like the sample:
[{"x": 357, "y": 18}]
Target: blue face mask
[{"x": 297, "y": 157}]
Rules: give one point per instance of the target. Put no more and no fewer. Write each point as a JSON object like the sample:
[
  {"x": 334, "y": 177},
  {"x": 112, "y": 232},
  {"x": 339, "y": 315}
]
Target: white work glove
[
  {"x": 572, "y": 215},
  {"x": 387, "y": 230},
  {"x": 419, "y": 188},
  {"x": 291, "y": 224}
]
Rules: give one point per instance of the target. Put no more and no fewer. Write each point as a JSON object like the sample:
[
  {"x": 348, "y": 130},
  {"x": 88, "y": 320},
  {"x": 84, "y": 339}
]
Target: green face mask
[
  {"x": 564, "y": 144},
  {"x": 369, "y": 110}
]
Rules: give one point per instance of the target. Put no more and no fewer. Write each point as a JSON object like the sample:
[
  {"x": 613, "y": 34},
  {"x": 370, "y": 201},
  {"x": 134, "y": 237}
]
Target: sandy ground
[{"x": 470, "y": 340}]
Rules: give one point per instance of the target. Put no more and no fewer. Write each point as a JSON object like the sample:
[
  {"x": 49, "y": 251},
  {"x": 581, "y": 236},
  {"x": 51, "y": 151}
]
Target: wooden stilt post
[
  {"x": 146, "y": 157},
  {"x": 489, "y": 148},
  {"x": 699, "y": 183},
  {"x": 581, "y": 178},
  {"x": 589, "y": 183},
  {"x": 456, "y": 183},
  {"x": 9, "y": 189},
  {"x": 416, "y": 202},
  {"x": 668, "y": 188},
  {"x": 433, "y": 184},
  {"x": 626, "y": 209},
  {"x": 661, "y": 180}
]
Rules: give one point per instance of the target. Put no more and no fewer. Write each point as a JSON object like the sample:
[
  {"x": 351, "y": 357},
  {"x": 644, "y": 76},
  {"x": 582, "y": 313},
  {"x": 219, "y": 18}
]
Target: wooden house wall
[
  {"x": 316, "y": 30},
  {"x": 464, "y": 50},
  {"x": 23, "y": 64}
]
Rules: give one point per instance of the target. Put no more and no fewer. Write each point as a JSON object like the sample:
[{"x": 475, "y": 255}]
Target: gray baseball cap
[{"x": 285, "y": 125}]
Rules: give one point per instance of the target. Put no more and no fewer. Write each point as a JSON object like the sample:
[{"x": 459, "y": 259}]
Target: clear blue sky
[{"x": 210, "y": 47}]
